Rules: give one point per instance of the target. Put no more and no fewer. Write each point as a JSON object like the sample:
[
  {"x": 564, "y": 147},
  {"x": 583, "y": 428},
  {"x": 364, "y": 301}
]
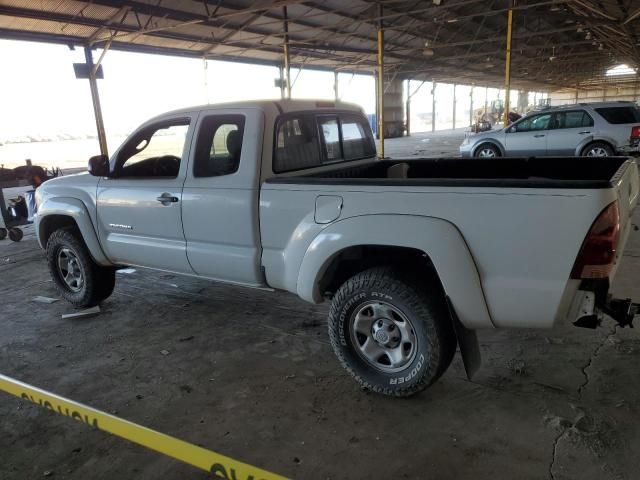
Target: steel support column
[
  {"x": 433, "y": 106},
  {"x": 287, "y": 59},
  {"x": 486, "y": 101},
  {"x": 471, "y": 106},
  {"x": 454, "y": 106},
  {"x": 407, "y": 122},
  {"x": 380, "y": 82},
  {"x": 95, "y": 98},
  {"x": 335, "y": 86},
  {"x": 507, "y": 74}
]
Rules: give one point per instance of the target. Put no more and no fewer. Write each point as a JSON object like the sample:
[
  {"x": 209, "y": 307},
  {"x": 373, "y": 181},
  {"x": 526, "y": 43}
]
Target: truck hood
[{"x": 76, "y": 180}]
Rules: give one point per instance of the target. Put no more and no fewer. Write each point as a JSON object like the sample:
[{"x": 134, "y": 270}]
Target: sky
[{"x": 40, "y": 96}]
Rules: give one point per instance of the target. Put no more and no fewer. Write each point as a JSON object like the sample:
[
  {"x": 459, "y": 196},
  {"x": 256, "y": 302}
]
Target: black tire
[
  {"x": 597, "y": 149},
  {"x": 3, "y": 233},
  {"x": 421, "y": 302},
  {"x": 97, "y": 282},
  {"x": 15, "y": 234},
  {"x": 488, "y": 147}
]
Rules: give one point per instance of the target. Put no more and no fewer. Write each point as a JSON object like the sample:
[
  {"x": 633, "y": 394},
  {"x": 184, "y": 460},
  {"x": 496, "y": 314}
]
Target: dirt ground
[{"x": 251, "y": 375}]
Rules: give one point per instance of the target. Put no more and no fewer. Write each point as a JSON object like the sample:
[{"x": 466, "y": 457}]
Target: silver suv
[{"x": 585, "y": 129}]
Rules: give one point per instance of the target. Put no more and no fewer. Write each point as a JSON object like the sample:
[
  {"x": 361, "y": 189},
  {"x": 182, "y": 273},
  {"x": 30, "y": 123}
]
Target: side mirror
[{"x": 99, "y": 166}]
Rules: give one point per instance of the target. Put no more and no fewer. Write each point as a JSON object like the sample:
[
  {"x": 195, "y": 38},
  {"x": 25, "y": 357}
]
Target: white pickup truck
[{"x": 415, "y": 255}]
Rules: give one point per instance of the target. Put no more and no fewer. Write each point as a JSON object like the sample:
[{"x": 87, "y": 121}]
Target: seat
[
  {"x": 399, "y": 170},
  {"x": 234, "y": 146}
]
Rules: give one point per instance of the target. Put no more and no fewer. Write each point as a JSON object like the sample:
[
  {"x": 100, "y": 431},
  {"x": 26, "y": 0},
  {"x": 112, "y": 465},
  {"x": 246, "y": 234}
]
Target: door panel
[
  {"x": 140, "y": 220},
  {"x": 221, "y": 195},
  {"x": 528, "y": 136},
  {"x": 570, "y": 129}
]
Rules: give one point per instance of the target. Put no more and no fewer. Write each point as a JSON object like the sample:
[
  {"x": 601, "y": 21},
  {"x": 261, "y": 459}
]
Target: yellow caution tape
[{"x": 219, "y": 465}]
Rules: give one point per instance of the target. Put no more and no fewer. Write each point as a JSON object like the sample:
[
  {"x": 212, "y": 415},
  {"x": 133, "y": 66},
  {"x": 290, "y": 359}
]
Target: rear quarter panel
[{"x": 523, "y": 241}]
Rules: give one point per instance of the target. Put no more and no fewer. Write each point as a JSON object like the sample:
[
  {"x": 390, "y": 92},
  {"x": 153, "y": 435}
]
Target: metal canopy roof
[{"x": 555, "y": 42}]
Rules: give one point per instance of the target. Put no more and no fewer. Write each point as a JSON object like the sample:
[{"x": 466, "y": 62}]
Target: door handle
[
  {"x": 538, "y": 136},
  {"x": 584, "y": 132},
  {"x": 167, "y": 198}
]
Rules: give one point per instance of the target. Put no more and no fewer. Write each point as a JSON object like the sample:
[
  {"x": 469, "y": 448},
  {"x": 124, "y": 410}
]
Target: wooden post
[
  {"x": 95, "y": 98},
  {"x": 380, "y": 81},
  {"x": 287, "y": 64}
]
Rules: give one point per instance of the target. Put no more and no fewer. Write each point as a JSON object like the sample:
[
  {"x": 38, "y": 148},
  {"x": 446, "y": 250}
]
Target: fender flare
[
  {"x": 437, "y": 238},
  {"x": 76, "y": 210}
]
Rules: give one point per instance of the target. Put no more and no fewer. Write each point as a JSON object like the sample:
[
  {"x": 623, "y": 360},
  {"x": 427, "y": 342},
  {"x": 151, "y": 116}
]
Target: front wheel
[
  {"x": 487, "y": 150},
  {"x": 391, "y": 333},
  {"x": 75, "y": 274}
]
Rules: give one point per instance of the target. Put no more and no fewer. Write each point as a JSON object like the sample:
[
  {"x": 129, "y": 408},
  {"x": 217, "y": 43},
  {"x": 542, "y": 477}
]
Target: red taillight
[
  {"x": 598, "y": 252},
  {"x": 635, "y": 132}
]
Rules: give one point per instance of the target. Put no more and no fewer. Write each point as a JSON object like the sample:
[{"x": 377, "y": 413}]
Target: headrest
[{"x": 234, "y": 143}]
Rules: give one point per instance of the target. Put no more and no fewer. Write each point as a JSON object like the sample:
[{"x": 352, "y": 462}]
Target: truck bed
[
  {"x": 534, "y": 172},
  {"x": 522, "y": 221}
]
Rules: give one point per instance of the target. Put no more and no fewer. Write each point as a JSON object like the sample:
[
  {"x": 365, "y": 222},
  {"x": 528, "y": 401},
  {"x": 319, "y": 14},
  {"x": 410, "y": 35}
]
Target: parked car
[
  {"x": 289, "y": 195},
  {"x": 586, "y": 129}
]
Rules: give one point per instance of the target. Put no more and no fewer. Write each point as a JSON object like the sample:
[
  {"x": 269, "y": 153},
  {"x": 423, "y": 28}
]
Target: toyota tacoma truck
[{"x": 414, "y": 255}]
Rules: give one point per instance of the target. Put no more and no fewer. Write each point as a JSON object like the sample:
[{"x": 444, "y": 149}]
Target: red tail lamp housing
[
  {"x": 635, "y": 132},
  {"x": 598, "y": 252}
]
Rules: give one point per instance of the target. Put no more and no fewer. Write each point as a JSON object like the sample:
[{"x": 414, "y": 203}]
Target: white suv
[{"x": 584, "y": 129}]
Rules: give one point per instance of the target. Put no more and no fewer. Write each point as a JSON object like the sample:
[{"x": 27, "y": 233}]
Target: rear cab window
[
  {"x": 620, "y": 115},
  {"x": 308, "y": 140}
]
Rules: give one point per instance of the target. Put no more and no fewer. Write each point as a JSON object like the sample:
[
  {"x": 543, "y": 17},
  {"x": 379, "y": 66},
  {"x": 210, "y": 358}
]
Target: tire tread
[{"x": 425, "y": 306}]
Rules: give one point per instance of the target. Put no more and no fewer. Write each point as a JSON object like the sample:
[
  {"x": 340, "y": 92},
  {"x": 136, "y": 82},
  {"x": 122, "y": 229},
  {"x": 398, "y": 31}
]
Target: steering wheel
[{"x": 166, "y": 166}]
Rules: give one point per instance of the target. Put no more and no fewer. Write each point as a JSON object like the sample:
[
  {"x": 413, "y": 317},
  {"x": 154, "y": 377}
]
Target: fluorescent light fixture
[{"x": 623, "y": 69}]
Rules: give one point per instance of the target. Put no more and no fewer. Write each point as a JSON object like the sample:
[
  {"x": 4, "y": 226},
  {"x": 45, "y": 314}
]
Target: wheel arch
[
  {"x": 606, "y": 140},
  {"x": 55, "y": 213},
  {"x": 491, "y": 141},
  {"x": 428, "y": 243}
]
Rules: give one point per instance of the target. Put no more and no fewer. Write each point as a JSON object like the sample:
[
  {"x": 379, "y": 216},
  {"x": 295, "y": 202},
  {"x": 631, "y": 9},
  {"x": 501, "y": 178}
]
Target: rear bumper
[
  {"x": 588, "y": 307},
  {"x": 632, "y": 148}
]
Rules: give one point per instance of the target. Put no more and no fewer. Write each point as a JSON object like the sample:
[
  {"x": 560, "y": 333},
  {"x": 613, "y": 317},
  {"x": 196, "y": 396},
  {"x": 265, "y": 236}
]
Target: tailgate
[{"x": 627, "y": 185}]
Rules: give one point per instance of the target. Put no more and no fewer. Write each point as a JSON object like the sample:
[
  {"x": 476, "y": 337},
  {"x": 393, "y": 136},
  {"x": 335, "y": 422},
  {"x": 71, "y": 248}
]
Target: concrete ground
[
  {"x": 442, "y": 143},
  {"x": 250, "y": 374}
]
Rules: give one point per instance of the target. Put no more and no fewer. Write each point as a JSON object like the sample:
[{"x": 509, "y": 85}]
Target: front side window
[
  {"x": 219, "y": 146},
  {"x": 575, "y": 119},
  {"x": 155, "y": 151},
  {"x": 620, "y": 115},
  {"x": 534, "y": 123}
]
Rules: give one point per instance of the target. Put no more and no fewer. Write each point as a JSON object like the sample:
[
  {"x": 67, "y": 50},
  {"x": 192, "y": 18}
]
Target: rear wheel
[
  {"x": 392, "y": 333},
  {"x": 487, "y": 150},
  {"x": 3, "y": 233},
  {"x": 597, "y": 149},
  {"x": 76, "y": 276}
]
